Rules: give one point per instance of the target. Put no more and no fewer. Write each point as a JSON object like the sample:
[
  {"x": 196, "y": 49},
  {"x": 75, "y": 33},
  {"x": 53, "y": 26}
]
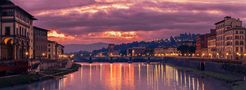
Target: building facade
[
  {"x": 16, "y": 32},
  {"x": 235, "y": 43},
  {"x": 186, "y": 43},
  {"x": 40, "y": 43},
  {"x": 55, "y": 50},
  {"x": 112, "y": 52},
  {"x": 212, "y": 44},
  {"x": 137, "y": 51},
  {"x": 227, "y": 31},
  {"x": 51, "y": 55},
  {"x": 59, "y": 51},
  {"x": 166, "y": 51},
  {"x": 202, "y": 45}
]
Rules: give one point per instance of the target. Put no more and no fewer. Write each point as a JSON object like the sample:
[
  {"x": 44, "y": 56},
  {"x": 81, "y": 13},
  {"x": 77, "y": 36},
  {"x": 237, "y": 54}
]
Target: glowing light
[
  {"x": 162, "y": 10},
  {"x": 86, "y": 9},
  {"x": 6, "y": 40},
  {"x": 114, "y": 35},
  {"x": 43, "y": 54},
  {"x": 118, "y": 34},
  {"x": 54, "y": 35},
  {"x": 26, "y": 53}
]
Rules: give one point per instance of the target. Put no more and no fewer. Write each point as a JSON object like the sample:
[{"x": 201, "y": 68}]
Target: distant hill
[
  {"x": 84, "y": 47},
  {"x": 168, "y": 42}
]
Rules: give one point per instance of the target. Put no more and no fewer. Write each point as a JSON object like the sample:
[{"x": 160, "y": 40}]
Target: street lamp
[
  {"x": 147, "y": 54},
  {"x": 210, "y": 55},
  {"x": 43, "y": 54},
  {"x": 26, "y": 55},
  {"x": 72, "y": 55},
  {"x": 203, "y": 55},
  {"x": 218, "y": 55}
]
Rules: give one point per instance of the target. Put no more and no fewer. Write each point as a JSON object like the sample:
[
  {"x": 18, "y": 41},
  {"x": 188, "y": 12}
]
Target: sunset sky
[{"x": 121, "y": 21}]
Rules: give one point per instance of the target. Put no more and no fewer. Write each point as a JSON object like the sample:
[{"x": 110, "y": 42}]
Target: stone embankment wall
[
  {"x": 208, "y": 65},
  {"x": 215, "y": 65}
]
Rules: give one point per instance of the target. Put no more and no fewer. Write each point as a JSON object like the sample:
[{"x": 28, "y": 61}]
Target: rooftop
[
  {"x": 35, "y": 27},
  {"x": 9, "y": 4},
  {"x": 225, "y": 18}
]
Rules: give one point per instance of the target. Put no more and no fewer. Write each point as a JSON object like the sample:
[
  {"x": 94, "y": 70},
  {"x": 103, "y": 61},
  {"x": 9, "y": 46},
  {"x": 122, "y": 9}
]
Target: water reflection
[{"x": 124, "y": 76}]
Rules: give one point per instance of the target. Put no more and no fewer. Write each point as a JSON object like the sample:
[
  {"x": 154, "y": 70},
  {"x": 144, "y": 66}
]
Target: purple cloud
[{"x": 82, "y": 17}]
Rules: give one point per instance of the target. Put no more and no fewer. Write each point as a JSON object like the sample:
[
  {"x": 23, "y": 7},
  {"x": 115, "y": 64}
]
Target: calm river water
[{"x": 125, "y": 76}]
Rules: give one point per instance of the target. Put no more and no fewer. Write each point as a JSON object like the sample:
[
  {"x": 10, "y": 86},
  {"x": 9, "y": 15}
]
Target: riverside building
[
  {"x": 40, "y": 43},
  {"x": 55, "y": 50},
  {"x": 51, "y": 55},
  {"x": 230, "y": 39},
  {"x": 112, "y": 52},
  {"x": 166, "y": 51},
  {"x": 202, "y": 45},
  {"x": 235, "y": 43},
  {"x": 137, "y": 51},
  {"x": 16, "y": 32},
  {"x": 212, "y": 44},
  {"x": 59, "y": 51}
]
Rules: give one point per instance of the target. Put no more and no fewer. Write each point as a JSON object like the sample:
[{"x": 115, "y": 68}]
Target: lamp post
[
  {"x": 90, "y": 58},
  {"x": 148, "y": 55},
  {"x": 218, "y": 55},
  {"x": 27, "y": 55},
  {"x": 43, "y": 55}
]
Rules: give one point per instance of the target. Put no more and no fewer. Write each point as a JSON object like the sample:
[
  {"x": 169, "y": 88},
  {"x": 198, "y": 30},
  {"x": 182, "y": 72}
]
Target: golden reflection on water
[
  {"x": 136, "y": 76},
  {"x": 125, "y": 76}
]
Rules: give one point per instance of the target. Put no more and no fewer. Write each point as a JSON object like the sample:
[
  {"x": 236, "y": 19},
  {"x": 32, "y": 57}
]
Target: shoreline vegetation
[{"x": 25, "y": 78}]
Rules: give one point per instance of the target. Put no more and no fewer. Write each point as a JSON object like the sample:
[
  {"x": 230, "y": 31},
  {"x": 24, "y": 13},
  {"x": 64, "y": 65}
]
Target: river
[{"x": 127, "y": 76}]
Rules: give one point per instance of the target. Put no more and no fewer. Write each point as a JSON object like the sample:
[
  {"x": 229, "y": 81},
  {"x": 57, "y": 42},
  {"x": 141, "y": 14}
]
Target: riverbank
[
  {"x": 30, "y": 78},
  {"x": 235, "y": 81}
]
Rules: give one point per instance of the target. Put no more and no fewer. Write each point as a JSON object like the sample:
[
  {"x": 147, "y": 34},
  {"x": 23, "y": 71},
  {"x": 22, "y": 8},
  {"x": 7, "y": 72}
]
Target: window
[
  {"x": 236, "y": 37},
  {"x": 241, "y": 32},
  {"x": 241, "y": 42},
  {"x": 236, "y": 43},
  {"x": 7, "y": 30},
  {"x": 236, "y": 49},
  {"x": 241, "y": 49},
  {"x": 19, "y": 31},
  {"x": 16, "y": 31},
  {"x": 228, "y": 43},
  {"x": 25, "y": 32},
  {"x": 227, "y": 38},
  {"x": 9, "y": 12},
  {"x": 241, "y": 37}
]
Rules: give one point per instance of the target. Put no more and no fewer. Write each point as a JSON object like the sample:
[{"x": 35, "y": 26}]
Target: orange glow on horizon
[
  {"x": 59, "y": 37},
  {"x": 56, "y": 34},
  {"x": 115, "y": 35},
  {"x": 107, "y": 36},
  {"x": 91, "y": 9},
  {"x": 118, "y": 34}
]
